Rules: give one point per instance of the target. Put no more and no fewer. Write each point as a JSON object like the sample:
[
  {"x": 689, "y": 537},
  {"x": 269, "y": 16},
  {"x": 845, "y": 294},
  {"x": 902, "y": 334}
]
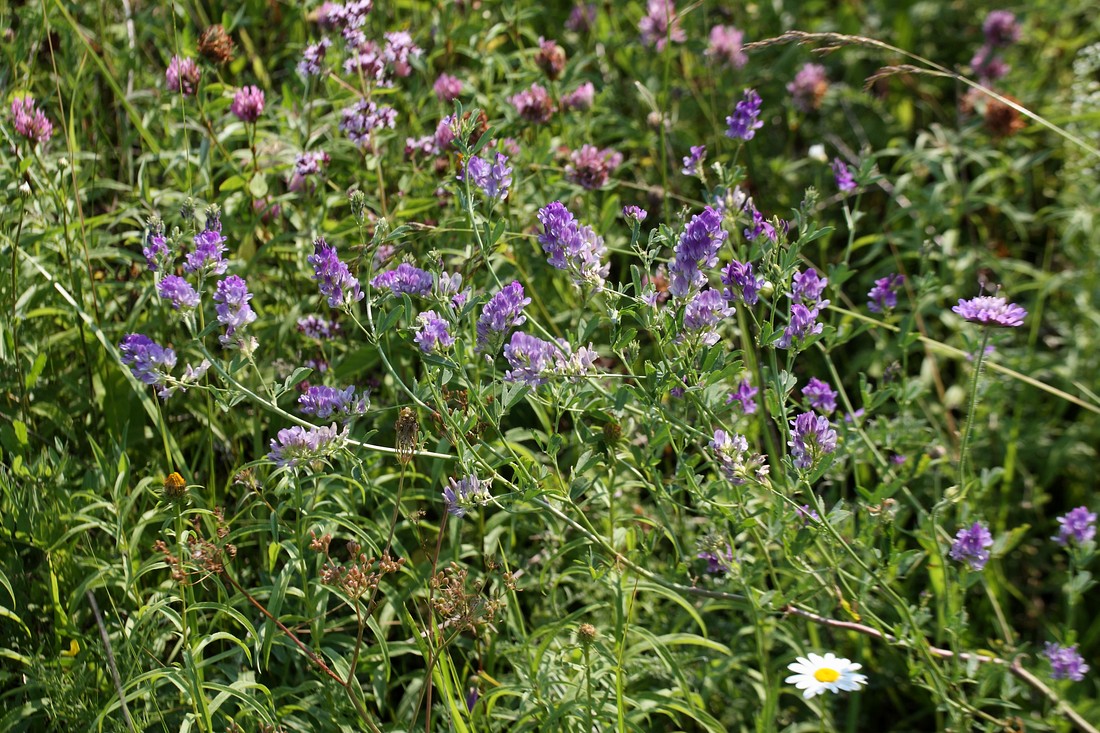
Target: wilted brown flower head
[
  {"x": 407, "y": 428},
  {"x": 551, "y": 58},
  {"x": 1002, "y": 120},
  {"x": 215, "y": 45}
]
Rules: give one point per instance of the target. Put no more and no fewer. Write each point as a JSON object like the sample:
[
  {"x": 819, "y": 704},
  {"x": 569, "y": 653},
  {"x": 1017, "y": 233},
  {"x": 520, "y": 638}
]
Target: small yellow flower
[{"x": 174, "y": 486}]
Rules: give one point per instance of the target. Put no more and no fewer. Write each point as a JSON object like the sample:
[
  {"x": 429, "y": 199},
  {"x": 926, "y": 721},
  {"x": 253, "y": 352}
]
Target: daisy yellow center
[{"x": 825, "y": 674}]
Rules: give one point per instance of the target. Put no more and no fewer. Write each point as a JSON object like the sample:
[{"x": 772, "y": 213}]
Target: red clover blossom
[
  {"x": 725, "y": 46},
  {"x": 589, "y": 167},
  {"x": 29, "y": 121},
  {"x": 447, "y": 88},
  {"x": 809, "y": 87},
  {"x": 660, "y": 24},
  {"x": 248, "y": 104},
  {"x": 183, "y": 75},
  {"x": 533, "y": 104}
]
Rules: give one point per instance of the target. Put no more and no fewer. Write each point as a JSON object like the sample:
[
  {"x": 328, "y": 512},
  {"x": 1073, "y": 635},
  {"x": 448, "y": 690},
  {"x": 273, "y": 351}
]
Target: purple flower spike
[
  {"x": 313, "y": 58},
  {"x": 884, "y": 296},
  {"x": 531, "y": 359},
  {"x": 492, "y": 178},
  {"x": 744, "y": 122},
  {"x": 248, "y": 104},
  {"x": 234, "y": 312},
  {"x": 297, "y": 445},
  {"x": 704, "y": 313},
  {"x": 972, "y": 546},
  {"x": 1077, "y": 526},
  {"x": 361, "y": 119},
  {"x": 433, "y": 336},
  {"x": 405, "y": 279},
  {"x": 572, "y": 247},
  {"x": 811, "y": 438},
  {"x": 697, "y": 248},
  {"x": 744, "y": 396},
  {"x": 820, "y": 395},
  {"x": 503, "y": 312},
  {"x": 990, "y": 310},
  {"x": 148, "y": 361},
  {"x": 335, "y": 280},
  {"x": 843, "y": 175},
  {"x": 1066, "y": 663},
  {"x": 178, "y": 292},
  {"x": 740, "y": 283},
  {"x": 324, "y": 402},
  {"x": 693, "y": 164},
  {"x": 209, "y": 254}
]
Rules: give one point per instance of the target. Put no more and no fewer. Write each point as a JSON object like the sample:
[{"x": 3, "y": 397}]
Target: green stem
[{"x": 965, "y": 447}]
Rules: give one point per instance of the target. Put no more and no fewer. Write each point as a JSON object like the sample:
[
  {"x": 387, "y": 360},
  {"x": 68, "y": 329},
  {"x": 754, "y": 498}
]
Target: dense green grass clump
[{"x": 493, "y": 366}]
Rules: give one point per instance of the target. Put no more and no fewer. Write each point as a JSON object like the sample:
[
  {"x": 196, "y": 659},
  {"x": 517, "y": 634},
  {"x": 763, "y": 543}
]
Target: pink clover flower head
[
  {"x": 590, "y": 167},
  {"x": 533, "y": 104},
  {"x": 447, "y": 88},
  {"x": 580, "y": 98},
  {"x": 29, "y": 121},
  {"x": 248, "y": 104},
  {"x": 1000, "y": 28},
  {"x": 991, "y": 310},
  {"x": 725, "y": 46},
  {"x": 661, "y": 24},
  {"x": 809, "y": 87},
  {"x": 183, "y": 75}
]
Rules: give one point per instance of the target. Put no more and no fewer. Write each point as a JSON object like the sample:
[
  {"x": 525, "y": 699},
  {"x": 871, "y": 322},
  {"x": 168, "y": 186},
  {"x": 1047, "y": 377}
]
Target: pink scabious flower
[
  {"x": 447, "y": 88},
  {"x": 580, "y": 98},
  {"x": 248, "y": 104},
  {"x": 660, "y": 24},
  {"x": 990, "y": 310},
  {"x": 534, "y": 104},
  {"x": 183, "y": 75},
  {"x": 29, "y": 121},
  {"x": 725, "y": 46},
  {"x": 590, "y": 166},
  {"x": 809, "y": 87}
]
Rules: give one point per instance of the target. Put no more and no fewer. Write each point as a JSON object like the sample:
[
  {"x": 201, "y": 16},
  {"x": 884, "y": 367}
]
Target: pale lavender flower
[
  {"x": 725, "y": 46},
  {"x": 209, "y": 254},
  {"x": 580, "y": 98},
  {"x": 405, "y": 279},
  {"x": 760, "y": 225},
  {"x": 811, "y": 438},
  {"x": 634, "y": 214},
  {"x": 704, "y": 312},
  {"x": 1000, "y": 28},
  {"x": 991, "y": 310},
  {"x": 313, "y": 58},
  {"x": 248, "y": 104},
  {"x": 820, "y": 395},
  {"x": 744, "y": 396},
  {"x": 884, "y": 296},
  {"x": 361, "y": 119},
  {"x": 1077, "y": 526},
  {"x": 399, "y": 50},
  {"x": 191, "y": 376},
  {"x": 449, "y": 286},
  {"x": 307, "y": 165},
  {"x": 333, "y": 276},
  {"x": 324, "y": 402},
  {"x": 697, "y": 247},
  {"x": 460, "y": 496},
  {"x": 744, "y": 122},
  {"x": 660, "y": 24},
  {"x": 740, "y": 282},
  {"x": 972, "y": 546},
  {"x": 366, "y": 61},
  {"x": 809, "y": 87},
  {"x": 737, "y": 464},
  {"x": 234, "y": 312},
  {"x": 693, "y": 164},
  {"x": 572, "y": 247},
  {"x": 297, "y": 445},
  {"x": 503, "y": 312},
  {"x": 809, "y": 516},
  {"x": 148, "y": 361},
  {"x": 178, "y": 292},
  {"x": 987, "y": 65},
  {"x": 492, "y": 178},
  {"x": 582, "y": 17},
  {"x": 29, "y": 121},
  {"x": 589, "y": 167},
  {"x": 315, "y": 327},
  {"x": 807, "y": 287},
  {"x": 434, "y": 335},
  {"x": 447, "y": 88},
  {"x": 843, "y": 176},
  {"x": 1066, "y": 663},
  {"x": 533, "y": 104},
  {"x": 183, "y": 76}
]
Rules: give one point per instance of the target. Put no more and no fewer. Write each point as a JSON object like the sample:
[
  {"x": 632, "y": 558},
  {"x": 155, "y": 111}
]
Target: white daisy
[{"x": 817, "y": 674}]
